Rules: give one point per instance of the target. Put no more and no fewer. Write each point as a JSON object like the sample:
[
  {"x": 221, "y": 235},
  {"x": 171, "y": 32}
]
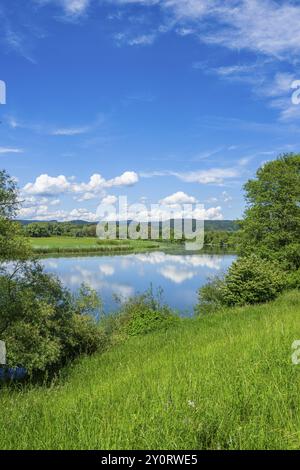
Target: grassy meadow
[
  {"x": 224, "y": 381},
  {"x": 73, "y": 245}
]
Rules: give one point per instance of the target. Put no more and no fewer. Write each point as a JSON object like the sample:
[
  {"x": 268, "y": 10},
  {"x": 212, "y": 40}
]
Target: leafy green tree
[
  {"x": 12, "y": 242},
  {"x": 249, "y": 280},
  {"x": 271, "y": 226},
  {"x": 43, "y": 325}
]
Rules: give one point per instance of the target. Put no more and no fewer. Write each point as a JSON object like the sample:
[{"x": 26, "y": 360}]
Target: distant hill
[
  {"x": 74, "y": 222},
  {"x": 210, "y": 225},
  {"x": 221, "y": 225}
]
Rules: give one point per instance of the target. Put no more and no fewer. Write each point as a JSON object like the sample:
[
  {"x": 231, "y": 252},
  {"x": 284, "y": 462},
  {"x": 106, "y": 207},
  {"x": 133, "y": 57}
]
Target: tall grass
[
  {"x": 225, "y": 381},
  {"x": 67, "y": 245}
]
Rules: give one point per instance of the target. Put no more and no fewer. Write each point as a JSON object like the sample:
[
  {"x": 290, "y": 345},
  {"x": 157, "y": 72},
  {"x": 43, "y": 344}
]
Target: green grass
[
  {"x": 65, "y": 245},
  {"x": 225, "y": 381}
]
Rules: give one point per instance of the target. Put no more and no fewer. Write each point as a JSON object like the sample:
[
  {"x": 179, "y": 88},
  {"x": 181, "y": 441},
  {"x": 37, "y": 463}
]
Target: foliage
[
  {"x": 42, "y": 324},
  {"x": 249, "y": 280},
  {"x": 54, "y": 229},
  {"x": 271, "y": 226},
  {"x": 88, "y": 245},
  {"x": 293, "y": 279},
  {"x": 9, "y": 202},
  {"x": 140, "y": 315},
  {"x": 252, "y": 280},
  {"x": 211, "y": 296},
  {"x": 12, "y": 243},
  {"x": 224, "y": 381},
  {"x": 221, "y": 239}
]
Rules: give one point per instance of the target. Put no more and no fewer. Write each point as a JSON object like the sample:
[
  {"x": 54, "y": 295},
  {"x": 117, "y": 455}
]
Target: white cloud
[
  {"x": 264, "y": 26},
  {"x": 49, "y": 185},
  {"x": 144, "y": 39},
  {"x": 4, "y": 150},
  {"x": 70, "y": 131},
  {"x": 43, "y": 212},
  {"x": 189, "y": 261},
  {"x": 128, "y": 178},
  {"x": 75, "y": 7},
  {"x": 226, "y": 197},
  {"x": 107, "y": 269},
  {"x": 71, "y": 7},
  {"x": 82, "y": 214},
  {"x": 211, "y": 176},
  {"x": 179, "y": 198},
  {"x": 109, "y": 199},
  {"x": 177, "y": 276}
]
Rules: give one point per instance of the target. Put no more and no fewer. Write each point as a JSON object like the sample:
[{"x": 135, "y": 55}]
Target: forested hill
[
  {"x": 210, "y": 225},
  {"x": 221, "y": 225}
]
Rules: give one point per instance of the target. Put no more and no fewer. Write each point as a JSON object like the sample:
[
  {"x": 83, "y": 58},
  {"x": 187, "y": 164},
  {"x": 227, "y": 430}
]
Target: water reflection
[{"x": 126, "y": 275}]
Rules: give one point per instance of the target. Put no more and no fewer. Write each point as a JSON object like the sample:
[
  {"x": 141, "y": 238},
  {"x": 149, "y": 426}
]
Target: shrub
[
  {"x": 43, "y": 325},
  {"x": 140, "y": 315},
  {"x": 252, "y": 280},
  {"x": 211, "y": 296},
  {"x": 249, "y": 280},
  {"x": 293, "y": 279}
]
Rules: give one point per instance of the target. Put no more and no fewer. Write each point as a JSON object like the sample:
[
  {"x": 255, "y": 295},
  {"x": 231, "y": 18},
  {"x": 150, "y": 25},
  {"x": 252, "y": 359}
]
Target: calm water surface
[{"x": 180, "y": 276}]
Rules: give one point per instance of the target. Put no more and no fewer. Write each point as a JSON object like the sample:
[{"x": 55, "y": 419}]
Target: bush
[
  {"x": 252, "y": 280},
  {"x": 211, "y": 296},
  {"x": 249, "y": 280},
  {"x": 293, "y": 279},
  {"x": 140, "y": 315},
  {"x": 43, "y": 325}
]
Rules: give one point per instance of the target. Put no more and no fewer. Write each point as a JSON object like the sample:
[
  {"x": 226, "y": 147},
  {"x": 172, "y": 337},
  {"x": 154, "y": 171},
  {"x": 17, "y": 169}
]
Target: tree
[
  {"x": 9, "y": 203},
  {"x": 12, "y": 242},
  {"x": 271, "y": 225},
  {"x": 42, "y": 324}
]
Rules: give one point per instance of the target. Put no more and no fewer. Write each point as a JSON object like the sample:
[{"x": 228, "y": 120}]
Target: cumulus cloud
[
  {"x": 49, "y": 185},
  {"x": 43, "y": 212},
  {"x": 179, "y": 198},
  {"x": 109, "y": 199},
  {"x": 129, "y": 178}
]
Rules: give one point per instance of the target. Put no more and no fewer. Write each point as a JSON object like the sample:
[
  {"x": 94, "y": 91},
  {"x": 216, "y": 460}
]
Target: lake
[{"x": 179, "y": 275}]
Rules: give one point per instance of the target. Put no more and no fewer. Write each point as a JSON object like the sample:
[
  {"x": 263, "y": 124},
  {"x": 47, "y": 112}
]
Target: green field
[
  {"x": 74, "y": 245},
  {"x": 225, "y": 381}
]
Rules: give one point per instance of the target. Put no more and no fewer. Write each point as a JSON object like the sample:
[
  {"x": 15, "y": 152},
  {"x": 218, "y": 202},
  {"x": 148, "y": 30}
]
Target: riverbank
[
  {"x": 68, "y": 246},
  {"x": 90, "y": 245},
  {"x": 225, "y": 381}
]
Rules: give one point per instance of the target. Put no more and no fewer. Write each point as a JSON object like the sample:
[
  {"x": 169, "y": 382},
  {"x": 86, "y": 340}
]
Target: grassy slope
[
  {"x": 90, "y": 245},
  {"x": 225, "y": 381}
]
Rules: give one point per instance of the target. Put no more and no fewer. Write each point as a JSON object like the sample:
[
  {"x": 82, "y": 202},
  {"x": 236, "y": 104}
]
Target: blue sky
[{"x": 146, "y": 98}]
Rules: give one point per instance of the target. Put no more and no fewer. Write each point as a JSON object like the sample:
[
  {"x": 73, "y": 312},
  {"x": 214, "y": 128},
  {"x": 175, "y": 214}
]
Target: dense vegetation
[
  {"x": 225, "y": 381},
  {"x": 82, "y": 245},
  {"x": 268, "y": 242},
  {"x": 218, "y": 381},
  {"x": 42, "y": 324},
  {"x": 76, "y": 237}
]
